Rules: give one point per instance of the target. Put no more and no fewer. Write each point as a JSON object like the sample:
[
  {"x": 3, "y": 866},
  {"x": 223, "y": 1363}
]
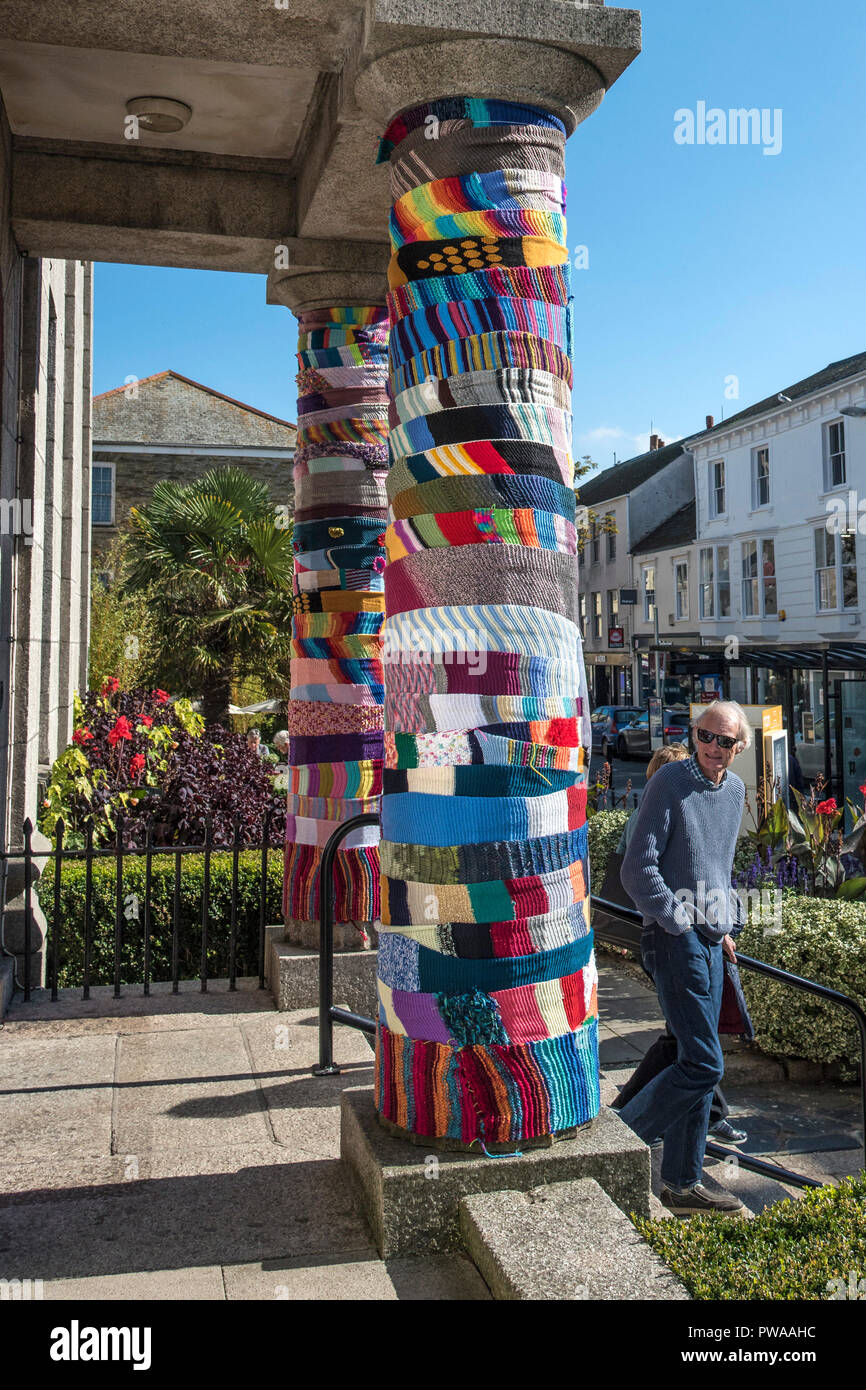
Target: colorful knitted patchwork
[
  {"x": 486, "y": 975},
  {"x": 335, "y": 705}
]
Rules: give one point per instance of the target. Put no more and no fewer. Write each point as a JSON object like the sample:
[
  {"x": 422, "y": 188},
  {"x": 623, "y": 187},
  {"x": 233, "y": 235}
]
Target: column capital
[
  {"x": 325, "y": 274},
  {"x": 561, "y": 57}
]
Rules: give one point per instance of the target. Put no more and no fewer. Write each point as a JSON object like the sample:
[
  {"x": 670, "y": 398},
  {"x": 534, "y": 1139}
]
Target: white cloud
[{"x": 604, "y": 440}]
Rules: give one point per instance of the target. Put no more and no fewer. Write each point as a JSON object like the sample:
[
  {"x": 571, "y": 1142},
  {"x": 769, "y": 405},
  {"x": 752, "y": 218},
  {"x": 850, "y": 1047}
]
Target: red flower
[
  {"x": 161, "y": 696},
  {"x": 826, "y": 808},
  {"x": 136, "y": 764},
  {"x": 110, "y": 686},
  {"x": 81, "y": 736},
  {"x": 863, "y": 789},
  {"x": 146, "y": 720},
  {"x": 120, "y": 730}
]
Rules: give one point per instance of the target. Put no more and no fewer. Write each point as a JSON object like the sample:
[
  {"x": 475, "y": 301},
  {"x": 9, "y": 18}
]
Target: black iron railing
[
  {"x": 621, "y": 926},
  {"x": 328, "y": 1014},
  {"x": 240, "y": 841}
]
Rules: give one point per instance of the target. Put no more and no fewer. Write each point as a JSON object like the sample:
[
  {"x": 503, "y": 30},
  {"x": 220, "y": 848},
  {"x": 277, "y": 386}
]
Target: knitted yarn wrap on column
[
  {"x": 335, "y": 703},
  {"x": 487, "y": 1024}
]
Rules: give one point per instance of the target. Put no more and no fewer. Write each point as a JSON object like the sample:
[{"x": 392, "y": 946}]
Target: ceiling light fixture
[{"x": 159, "y": 115}]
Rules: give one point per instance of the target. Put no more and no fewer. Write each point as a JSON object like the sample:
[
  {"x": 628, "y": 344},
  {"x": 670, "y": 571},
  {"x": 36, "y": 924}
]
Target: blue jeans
[{"x": 688, "y": 971}]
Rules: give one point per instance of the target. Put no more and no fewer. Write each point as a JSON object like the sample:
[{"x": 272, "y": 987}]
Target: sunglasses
[{"x": 723, "y": 740}]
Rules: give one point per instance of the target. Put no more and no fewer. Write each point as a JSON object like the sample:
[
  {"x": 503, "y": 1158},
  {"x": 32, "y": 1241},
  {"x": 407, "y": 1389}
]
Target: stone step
[
  {"x": 564, "y": 1241},
  {"x": 293, "y": 977}
]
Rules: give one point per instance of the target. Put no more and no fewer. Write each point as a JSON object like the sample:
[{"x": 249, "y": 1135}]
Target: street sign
[
  {"x": 628, "y": 596},
  {"x": 615, "y": 637}
]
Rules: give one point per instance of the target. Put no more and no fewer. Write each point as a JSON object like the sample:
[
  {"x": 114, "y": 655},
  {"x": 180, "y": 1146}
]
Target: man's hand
[{"x": 728, "y": 948}]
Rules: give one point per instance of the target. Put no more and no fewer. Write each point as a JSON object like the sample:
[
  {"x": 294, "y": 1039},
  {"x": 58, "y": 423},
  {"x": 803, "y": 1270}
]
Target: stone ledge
[
  {"x": 411, "y": 1199},
  {"x": 565, "y": 1241},
  {"x": 293, "y": 976}
]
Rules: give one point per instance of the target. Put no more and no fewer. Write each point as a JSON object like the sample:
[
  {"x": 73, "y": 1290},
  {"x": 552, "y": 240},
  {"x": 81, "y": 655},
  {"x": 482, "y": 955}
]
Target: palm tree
[{"x": 216, "y": 559}]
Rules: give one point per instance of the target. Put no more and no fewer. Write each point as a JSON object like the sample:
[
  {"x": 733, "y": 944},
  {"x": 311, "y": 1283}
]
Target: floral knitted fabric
[
  {"x": 486, "y": 977},
  {"x": 335, "y": 706}
]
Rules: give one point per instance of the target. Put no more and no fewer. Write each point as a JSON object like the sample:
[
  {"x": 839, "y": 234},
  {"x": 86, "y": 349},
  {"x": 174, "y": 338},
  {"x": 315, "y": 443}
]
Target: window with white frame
[
  {"x": 723, "y": 581},
  {"x": 613, "y": 608},
  {"x": 102, "y": 494},
  {"x": 681, "y": 589},
  {"x": 582, "y": 615},
  {"x": 596, "y": 616},
  {"x": 649, "y": 584},
  {"x": 835, "y": 570},
  {"x": 717, "y": 487},
  {"x": 706, "y": 583},
  {"x": 834, "y": 454},
  {"x": 761, "y": 476},
  {"x": 758, "y": 561},
  {"x": 611, "y": 536},
  {"x": 594, "y": 550},
  {"x": 768, "y": 578},
  {"x": 749, "y": 569}
]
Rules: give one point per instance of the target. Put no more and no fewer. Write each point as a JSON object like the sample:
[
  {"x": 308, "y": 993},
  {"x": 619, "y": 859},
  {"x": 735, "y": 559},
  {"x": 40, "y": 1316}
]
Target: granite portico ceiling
[{"x": 279, "y": 148}]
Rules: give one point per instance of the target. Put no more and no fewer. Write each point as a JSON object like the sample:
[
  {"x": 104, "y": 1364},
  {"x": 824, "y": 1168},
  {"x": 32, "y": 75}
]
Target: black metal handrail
[
  {"x": 620, "y": 931},
  {"x": 328, "y": 1014},
  {"x": 59, "y": 854}
]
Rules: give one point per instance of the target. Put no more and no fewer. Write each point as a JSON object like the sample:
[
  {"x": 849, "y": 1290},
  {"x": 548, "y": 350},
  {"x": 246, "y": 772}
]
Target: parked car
[
  {"x": 607, "y": 722},
  {"x": 633, "y": 739}
]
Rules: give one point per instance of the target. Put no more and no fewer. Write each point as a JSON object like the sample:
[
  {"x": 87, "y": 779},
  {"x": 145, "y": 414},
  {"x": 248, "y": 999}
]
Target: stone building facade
[{"x": 170, "y": 427}]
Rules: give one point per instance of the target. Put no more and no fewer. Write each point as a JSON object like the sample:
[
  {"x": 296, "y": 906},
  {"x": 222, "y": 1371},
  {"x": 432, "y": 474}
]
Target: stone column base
[{"x": 411, "y": 1199}]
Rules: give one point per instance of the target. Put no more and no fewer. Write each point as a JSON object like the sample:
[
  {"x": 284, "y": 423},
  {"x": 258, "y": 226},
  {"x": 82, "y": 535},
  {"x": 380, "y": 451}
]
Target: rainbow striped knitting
[
  {"x": 335, "y": 705},
  {"x": 486, "y": 977}
]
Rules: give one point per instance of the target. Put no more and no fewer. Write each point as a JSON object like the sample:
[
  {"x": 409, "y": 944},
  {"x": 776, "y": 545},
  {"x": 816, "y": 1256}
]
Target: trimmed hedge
[
  {"x": 801, "y": 1248},
  {"x": 603, "y": 831},
  {"x": 71, "y": 937},
  {"x": 823, "y": 939}
]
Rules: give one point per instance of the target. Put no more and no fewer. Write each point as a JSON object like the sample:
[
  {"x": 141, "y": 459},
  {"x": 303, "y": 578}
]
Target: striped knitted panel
[
  {"x": 487, "y": 983},
  {"x": 335, "y": 703}
]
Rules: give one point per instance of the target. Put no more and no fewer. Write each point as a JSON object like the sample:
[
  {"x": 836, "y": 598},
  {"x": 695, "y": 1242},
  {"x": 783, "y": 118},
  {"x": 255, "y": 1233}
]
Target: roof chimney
[
  {"x": 710, "y": 422},
  {"x": 656, "y": 442}
]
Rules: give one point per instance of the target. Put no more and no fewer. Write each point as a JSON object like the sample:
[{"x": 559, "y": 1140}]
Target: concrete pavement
[{"x": 179, "y": 1147}]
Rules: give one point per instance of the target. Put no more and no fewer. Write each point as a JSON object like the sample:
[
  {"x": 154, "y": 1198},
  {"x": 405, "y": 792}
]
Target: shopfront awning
[{"x": 846, "y": 657}]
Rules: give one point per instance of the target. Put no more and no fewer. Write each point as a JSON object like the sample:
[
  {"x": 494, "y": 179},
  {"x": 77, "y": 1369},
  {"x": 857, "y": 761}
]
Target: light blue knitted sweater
[{"x": 677, "y": 868}]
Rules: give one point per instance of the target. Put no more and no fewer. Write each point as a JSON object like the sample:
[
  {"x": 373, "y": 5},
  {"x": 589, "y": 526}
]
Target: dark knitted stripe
[{"x": 481, "y": 863}]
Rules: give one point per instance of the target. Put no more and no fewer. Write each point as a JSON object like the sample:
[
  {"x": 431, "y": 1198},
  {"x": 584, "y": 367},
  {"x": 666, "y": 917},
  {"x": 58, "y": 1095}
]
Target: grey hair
[{"x": 744, "y": 728}]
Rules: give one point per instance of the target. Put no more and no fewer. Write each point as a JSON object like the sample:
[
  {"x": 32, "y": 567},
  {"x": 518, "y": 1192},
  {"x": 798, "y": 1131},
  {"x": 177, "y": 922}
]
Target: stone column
[
  {"x": 335, "y": 701},
  {"x": 487, "y": 980}
]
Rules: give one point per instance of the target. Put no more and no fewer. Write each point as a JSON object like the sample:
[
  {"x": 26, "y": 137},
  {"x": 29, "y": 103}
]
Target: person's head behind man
[
  {"x": 281, "y": 740},
  {"x": 720, "y": 732},
  {"x": 671, "y": 753},
  {"x": 254, "y": 738}
]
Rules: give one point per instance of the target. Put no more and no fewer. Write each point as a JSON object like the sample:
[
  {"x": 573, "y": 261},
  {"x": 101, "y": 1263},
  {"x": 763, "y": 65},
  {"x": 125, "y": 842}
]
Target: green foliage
[
  {"x": 104, "y": 891},
  {"x": 216, "y": 560},
  {"x": 603, "y": 834},
  {"x": 801, "y": 1248},
  {"x": 123, "y": 641},
  {"x": 822, "y": 939}
]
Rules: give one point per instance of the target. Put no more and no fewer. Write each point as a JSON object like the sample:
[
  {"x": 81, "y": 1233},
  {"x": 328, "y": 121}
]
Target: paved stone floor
[{"x": 178, "y": 1147}]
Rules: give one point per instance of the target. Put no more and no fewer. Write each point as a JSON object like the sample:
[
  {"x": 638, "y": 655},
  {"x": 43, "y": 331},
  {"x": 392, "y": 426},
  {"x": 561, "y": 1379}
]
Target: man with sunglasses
[{"x": 677, "y": 869}]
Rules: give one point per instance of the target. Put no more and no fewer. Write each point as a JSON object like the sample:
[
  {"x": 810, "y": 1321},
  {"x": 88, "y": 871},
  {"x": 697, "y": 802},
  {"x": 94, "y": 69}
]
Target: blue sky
[{"x": 706, "y": 262}]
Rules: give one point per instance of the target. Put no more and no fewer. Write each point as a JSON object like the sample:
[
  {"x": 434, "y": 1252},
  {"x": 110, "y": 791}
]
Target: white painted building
[
  {"x": 637, "y": 496},
  {"x": 781, "y": 559},
  {"x": 766, "y": 483}
]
